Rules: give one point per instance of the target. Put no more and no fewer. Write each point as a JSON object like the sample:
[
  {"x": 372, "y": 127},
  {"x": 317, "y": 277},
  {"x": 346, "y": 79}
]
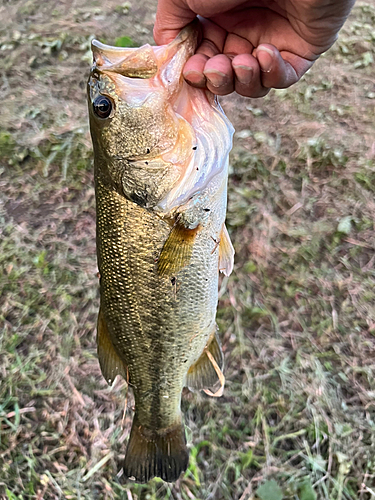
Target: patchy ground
[{"x": 297, "y": 316}]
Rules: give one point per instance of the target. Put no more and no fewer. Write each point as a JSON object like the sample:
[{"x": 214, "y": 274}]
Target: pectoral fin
[
  {"x": 110, "y": 362},
  {"x": 177, "y": 250},
  {"x": 207, "y": 371},
  {"x": 226, "y": 253}
]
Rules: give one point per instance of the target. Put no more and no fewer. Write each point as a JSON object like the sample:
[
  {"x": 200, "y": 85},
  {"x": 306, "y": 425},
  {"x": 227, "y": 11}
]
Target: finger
[
  {"x": 219, "y": 74},
  {"x": 280, "y": 70},
  {"x": 213, "y": 38},
  {"x": 235, "y": 45},
  {"x": 193, "y": 70},
  {"x": 247, "y": 76}
]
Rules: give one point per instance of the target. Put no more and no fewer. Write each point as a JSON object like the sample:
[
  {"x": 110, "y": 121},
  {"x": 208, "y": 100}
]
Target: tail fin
[{"x": 156, "y": 453}]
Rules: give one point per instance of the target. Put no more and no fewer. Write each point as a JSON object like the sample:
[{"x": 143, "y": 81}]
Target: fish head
[
  {"x": 146, "y": 122},
  {"x": 130, "y": 94}
]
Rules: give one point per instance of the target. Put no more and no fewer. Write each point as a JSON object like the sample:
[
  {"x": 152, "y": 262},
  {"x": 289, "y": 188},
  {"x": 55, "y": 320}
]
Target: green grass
[{"x": 297, "y": 316}]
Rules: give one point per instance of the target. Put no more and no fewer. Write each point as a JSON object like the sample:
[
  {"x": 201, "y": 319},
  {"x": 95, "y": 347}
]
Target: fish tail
[{"x": 153, "y": 453}]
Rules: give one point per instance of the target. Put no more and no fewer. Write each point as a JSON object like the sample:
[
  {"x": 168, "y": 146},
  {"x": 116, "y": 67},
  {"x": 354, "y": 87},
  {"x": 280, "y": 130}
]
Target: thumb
[{"x": 171, "y": 17}]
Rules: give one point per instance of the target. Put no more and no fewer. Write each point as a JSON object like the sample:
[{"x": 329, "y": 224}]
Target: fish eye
[{"x": 102, "y": 106}]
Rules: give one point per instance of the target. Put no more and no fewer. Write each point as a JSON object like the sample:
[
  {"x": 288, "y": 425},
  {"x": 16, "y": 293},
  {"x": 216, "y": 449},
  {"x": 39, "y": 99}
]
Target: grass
[{"x": 297, "y": 316}]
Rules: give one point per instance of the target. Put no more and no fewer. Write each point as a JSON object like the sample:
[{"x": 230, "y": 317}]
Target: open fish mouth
[{"x": 146, "y": 61}]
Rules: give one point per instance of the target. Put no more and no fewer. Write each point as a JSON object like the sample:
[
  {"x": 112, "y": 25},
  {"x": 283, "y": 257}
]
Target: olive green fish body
[
  {"x": 160, "y": 181},
  {"x": 159, "y": 325}
]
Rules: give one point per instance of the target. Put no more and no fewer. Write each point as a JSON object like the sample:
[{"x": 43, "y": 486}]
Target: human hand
[{"x": 254, "y": 45}]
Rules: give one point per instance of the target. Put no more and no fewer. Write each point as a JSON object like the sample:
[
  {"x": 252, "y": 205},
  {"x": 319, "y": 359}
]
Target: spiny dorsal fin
[{"x": 110, "y": 362}]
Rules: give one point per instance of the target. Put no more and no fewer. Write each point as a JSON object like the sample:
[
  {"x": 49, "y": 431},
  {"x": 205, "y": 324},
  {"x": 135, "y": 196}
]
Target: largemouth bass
[{"x": 161, "y": 166}]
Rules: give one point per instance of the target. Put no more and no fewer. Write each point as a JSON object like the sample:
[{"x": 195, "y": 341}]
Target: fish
[{"x": 161, "y": 167}]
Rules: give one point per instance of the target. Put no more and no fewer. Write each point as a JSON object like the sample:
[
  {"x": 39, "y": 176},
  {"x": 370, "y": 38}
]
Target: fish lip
[
  {"x": 192, "y": 30},
  {"x": 103, "y": 46},
  {"x": 147, "y": 61}
]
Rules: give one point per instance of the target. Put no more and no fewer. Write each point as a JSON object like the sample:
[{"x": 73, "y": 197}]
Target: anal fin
[
  {"x": 203, "y": 373},
  {"x": 110, "y": 362},
  {"x": 177, "y": 249},
  {"x": 226, "y": 253}
]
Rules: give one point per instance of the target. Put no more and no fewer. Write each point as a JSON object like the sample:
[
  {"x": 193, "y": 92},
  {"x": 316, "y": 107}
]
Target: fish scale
[{"x": 158, "y": 259}]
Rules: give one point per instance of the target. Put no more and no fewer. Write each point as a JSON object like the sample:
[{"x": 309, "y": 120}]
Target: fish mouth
[{"x": 147, "y": 61}]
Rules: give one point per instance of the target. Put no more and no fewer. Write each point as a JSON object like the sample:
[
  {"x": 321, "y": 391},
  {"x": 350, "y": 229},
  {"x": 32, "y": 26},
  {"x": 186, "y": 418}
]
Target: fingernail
[
  {"x": 267, "y": 59},
  {"x": 195, "y": 78},
  {"x": 216, "y": 78},
  {"x": 244, "y": 74}
]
